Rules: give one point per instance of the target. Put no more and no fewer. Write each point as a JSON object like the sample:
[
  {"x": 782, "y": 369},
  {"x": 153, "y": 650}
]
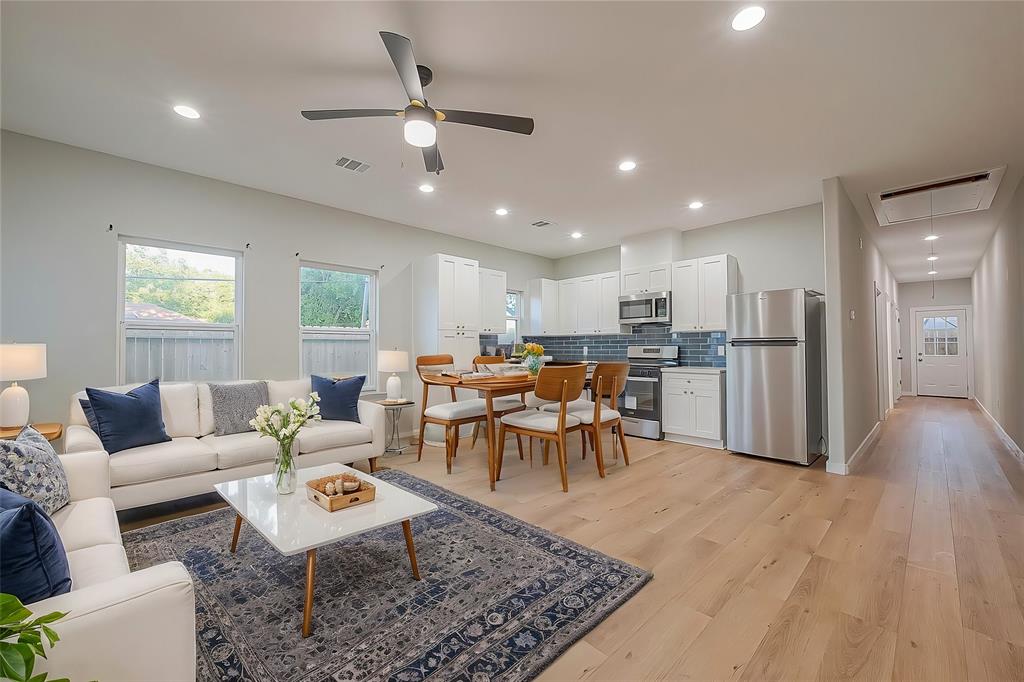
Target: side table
[
  {"x": 51, "y": 431},
  {"x": 393, "y": 409}
]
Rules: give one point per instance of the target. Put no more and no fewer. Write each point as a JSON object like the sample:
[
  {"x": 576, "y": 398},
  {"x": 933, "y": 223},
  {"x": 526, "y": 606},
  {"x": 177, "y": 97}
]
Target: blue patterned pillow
[{"x": 32, "y": 469}]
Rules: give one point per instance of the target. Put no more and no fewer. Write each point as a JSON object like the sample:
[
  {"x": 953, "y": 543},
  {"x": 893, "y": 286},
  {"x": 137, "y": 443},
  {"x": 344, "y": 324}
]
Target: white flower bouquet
[{"x": 282, "y": 423}]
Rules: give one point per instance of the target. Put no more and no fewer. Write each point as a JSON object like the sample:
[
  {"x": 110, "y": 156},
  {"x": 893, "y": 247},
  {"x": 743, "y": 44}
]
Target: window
[
  {"x": 338, "y": 321},
  {"x": 941, "y": 335},
  {"x": 180, "y": 312},
  {"x": 513, "y": 314}
]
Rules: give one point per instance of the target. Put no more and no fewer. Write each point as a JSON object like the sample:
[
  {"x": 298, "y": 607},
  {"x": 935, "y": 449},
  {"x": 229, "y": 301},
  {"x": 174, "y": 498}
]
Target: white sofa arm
[
  {"x": 80, "y": 438},
  {"x": 372, "y": 415},
  {"x": 88, "y": 473},
  {"x": 140, "y": 626}
]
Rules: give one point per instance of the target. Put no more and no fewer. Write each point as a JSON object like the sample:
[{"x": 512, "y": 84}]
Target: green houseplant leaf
[{"x": 21, "y": 640}]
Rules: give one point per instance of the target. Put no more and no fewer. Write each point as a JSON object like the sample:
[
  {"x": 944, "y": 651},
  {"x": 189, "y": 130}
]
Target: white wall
[
  {"x": 853, "y": 265},
  {"x": 59, "y": 261},
  {"x": 998, "y": 294},
  {"x": 589, "y": 263},
  {"x": 920, "y": 294}
]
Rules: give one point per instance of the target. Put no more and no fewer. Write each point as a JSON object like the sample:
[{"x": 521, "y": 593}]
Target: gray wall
[
  {"x": 589, "y": 263},
  {"x": 59, "y": 262},
  {"x": 998, "y": 294},
  {"x": 853, "y": 266},
  {"x": 920, "y": 294}
]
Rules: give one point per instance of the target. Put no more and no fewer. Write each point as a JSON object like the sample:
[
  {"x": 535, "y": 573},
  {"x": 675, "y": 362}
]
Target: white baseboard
[
  {"x": 694, "y": 440},
  {"x": 1003, "y": 435},
  {"x": 905, "y": 393},
  {"x": 844, "y": 468}
]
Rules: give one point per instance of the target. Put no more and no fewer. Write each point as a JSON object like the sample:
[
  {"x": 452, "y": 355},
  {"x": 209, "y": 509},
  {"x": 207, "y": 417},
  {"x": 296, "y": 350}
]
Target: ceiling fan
[{"x": 420, "y": 119}]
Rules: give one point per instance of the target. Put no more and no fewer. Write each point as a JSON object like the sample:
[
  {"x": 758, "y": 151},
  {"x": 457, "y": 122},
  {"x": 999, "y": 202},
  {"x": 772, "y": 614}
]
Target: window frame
[
  {"x": 518, "y": 317},
  {"x": 373, "y": 315},
  {"x": 123, "y": 326}
]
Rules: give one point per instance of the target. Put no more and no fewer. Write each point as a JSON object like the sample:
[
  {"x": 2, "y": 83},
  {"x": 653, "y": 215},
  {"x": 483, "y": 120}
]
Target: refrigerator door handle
[{"x": 764, "y": 342}]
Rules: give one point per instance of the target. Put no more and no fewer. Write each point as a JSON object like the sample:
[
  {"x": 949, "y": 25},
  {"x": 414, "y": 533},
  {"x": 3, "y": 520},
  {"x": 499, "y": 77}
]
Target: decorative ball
[
  {"x": 329, "y": 488},
  {"x": 350, "y": 486}
]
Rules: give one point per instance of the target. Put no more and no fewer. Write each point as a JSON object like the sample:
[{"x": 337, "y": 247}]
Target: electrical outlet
[
  {"x": 584, "y": 351},
  {"x": 721, "y": 350}
]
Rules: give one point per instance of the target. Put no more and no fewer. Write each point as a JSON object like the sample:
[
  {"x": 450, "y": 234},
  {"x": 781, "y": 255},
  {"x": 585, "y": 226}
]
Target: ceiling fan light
[{"x": 420, "y": 130}]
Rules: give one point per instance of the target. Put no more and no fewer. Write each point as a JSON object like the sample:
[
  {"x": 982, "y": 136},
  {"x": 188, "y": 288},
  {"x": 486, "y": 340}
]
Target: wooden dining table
[{"x": 490, "y": 388}]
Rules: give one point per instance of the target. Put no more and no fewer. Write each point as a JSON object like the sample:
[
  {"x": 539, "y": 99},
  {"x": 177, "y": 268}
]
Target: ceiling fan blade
[
  {"x": 432, "y": 159},
  {"x": 323, "y": 114},
  {"x": 400, "y": 49},
  {"x": 512, "y": 124}
]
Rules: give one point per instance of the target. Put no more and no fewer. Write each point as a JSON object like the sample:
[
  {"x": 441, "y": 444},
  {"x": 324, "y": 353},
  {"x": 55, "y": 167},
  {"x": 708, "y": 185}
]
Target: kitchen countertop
[{"x": 693, "y": 370}]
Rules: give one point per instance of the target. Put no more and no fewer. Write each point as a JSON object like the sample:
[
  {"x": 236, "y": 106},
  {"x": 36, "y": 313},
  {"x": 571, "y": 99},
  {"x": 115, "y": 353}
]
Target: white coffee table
[{"x": 293, "y": 523}]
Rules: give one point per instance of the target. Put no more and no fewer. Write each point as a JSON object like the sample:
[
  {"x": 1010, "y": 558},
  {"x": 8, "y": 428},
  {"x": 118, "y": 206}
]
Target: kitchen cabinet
[
  {"x": 458, "y": 292},
  {"x": 446, "y": 307},
  {"x": 461, "y": 345},
  {"x": 608, "y": 302},
  {"x": 543, "y": 306},
  {"x": 646, "y": 279},
  {"x": 492, "y": 301},
  {"x": 589, "y": 304},
  {"x": 693, "y": 406},
  {"x": 700, "y": 290},
  {"x": 568, "y": 305}
]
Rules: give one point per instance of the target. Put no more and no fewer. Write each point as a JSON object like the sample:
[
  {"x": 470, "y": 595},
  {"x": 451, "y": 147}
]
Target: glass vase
[
  {"x": 286, "y": 477},
  {"x": 533, "y": 363}
]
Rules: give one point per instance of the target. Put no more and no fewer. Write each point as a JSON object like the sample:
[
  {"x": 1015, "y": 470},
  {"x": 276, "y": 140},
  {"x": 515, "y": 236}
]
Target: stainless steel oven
[
  {"x": 649, "y": 308},
  {"x": 641, "y": 404}
]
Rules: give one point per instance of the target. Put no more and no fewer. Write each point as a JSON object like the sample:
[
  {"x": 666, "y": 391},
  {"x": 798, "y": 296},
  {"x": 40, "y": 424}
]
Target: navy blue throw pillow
[
  {"x": 32, "y": 558},
  {"x": 128, "y": 420},
  {"x": 339, "y": 400},
  {"x": 90, "y": 416}
]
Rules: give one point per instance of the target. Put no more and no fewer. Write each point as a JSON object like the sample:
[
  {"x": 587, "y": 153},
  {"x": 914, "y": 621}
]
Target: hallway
[{"x": 911, "y": 569}]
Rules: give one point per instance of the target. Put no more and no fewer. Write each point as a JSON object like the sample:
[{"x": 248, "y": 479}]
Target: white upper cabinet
[
  {"x": 587, "y": 306},
  {"x": 568, "y": 305},
  {"x": 646, "y": 279},
  {"x": 458, "y": 293},
  {"x": 700, "y": 288},
  {"x": 543, "y": 306},
  {"x": 492, "y": 301},
  {"x": 608, "y": 302}
]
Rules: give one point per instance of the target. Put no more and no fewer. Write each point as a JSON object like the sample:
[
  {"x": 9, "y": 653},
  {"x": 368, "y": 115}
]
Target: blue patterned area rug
[{"x": 499, "y": 600}]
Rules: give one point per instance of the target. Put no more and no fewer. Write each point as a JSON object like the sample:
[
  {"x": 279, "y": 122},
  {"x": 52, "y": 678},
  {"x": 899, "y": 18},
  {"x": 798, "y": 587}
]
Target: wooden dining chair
[
  {"x": 607, "y": 383},
  {"x": 502, "y": 406},
  {"x": 451, "y": 415},
  {"x": 563, "y": 384}
]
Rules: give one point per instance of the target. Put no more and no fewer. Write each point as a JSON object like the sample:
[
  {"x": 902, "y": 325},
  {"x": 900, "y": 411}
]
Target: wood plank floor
[{"x": 912, "y": 569}]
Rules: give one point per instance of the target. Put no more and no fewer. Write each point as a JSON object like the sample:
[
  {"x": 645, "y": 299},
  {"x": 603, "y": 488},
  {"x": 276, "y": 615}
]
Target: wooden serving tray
[{"x": 315, "y": 491}]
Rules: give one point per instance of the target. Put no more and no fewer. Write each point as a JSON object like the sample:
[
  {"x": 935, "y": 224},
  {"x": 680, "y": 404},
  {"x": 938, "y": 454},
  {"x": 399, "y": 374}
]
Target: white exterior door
[{"x": 941, "y": 352}]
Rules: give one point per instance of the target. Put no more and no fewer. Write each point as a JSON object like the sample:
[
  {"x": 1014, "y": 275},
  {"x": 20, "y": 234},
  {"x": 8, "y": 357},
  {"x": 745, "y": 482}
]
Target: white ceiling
[{"x": 881, "y": 94}]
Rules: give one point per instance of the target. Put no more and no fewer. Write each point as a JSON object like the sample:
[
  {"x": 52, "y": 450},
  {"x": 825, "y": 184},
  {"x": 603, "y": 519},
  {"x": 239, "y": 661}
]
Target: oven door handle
[{"x": 646, "y": 380}]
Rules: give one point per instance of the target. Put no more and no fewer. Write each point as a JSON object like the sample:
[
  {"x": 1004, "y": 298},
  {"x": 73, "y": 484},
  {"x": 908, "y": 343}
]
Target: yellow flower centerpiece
[{"x": 532, "y": 353}]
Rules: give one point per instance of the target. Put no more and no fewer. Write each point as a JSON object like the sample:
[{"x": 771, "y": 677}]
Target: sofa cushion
[
  {"x": 32, "y": 559},
  {"x": 97, "y": 564},
  {"x": 128, "y": 420},
  {"x": 283, "y": 391},
  {"x": 32, "y": 469},
  {"x": 239, "y": 449},
  {"x": 175, "y": 457},
  {"x": 339, "y": 400},
  {"x": 88, "y": 522},
  {"x": 463, "y": 409},
  {"x": 317, "y": 436},
  {"x": 234, "y": 405},
  {"x": 178, "y": 406}
]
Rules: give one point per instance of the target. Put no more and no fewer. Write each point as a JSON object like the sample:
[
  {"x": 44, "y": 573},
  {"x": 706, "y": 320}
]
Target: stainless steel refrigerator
[{"x": 775, "y": 377}]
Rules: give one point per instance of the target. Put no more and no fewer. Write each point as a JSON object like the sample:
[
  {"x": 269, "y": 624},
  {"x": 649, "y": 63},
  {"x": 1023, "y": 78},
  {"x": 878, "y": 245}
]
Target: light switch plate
[{"x": 721, "y": 350}]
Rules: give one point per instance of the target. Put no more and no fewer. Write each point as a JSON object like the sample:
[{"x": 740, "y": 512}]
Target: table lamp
[
  {"x": 19, "y": 361},
  {"x": 393, "y": 361}
]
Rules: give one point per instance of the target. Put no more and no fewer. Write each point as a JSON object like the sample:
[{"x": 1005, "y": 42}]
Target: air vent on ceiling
[
  {"x": 542, "y": 223},
  {"x": 948, "y": 196},
  {"x": 352, "y": 164}
]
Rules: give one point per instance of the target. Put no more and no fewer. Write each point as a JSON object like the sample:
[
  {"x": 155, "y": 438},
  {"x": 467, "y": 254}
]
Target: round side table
[{"x": 393, "y": 409}]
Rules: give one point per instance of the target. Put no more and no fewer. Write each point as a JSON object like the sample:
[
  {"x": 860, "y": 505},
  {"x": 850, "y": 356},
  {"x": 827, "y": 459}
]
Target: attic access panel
[{"x": 959, "y": 194}]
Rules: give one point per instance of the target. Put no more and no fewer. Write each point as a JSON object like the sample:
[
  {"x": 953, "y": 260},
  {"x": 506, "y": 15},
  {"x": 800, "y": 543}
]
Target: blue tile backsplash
[{"x": 696, "y": 349}]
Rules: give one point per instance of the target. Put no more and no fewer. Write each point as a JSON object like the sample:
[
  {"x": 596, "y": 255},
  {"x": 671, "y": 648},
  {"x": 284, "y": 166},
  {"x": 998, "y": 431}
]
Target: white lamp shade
[
  {"x": 392, "y": 361},
  {"x": 20, "y": 361}
]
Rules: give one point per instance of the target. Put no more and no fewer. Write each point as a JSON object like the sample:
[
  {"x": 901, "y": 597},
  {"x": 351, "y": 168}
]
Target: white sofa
[
  {"x": 121, "y": 626},
  {"x": 195, "y": 459}
]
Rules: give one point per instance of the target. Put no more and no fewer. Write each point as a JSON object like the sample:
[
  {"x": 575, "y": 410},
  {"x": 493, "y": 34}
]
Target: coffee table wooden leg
[
  {"x": 407, "y": 529},
  {"x": 307, "y": 613},
  {"x": 234, "y": 536}
]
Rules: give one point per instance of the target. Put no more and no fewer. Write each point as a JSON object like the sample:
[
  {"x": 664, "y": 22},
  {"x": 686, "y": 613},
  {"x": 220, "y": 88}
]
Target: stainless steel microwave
[{"x": 654, "y": 307}]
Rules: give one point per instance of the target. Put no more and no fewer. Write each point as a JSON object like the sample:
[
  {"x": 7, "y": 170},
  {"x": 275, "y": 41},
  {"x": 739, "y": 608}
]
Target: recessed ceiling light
[
  {"x": 501, "y": 211},
  {"x": 933, "y": 258},
  {"x": 931, "y": 237},
  {"x": 426, "y": 188},
  {"x": 627, "y": 165},
  {"x": 576, "y": 235},
  {"x": 186, "y": 111},
  {"x": 696, "y": 204},
  {"x": 933, "y": 272},
  {"x": 748, "y": 18}
]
